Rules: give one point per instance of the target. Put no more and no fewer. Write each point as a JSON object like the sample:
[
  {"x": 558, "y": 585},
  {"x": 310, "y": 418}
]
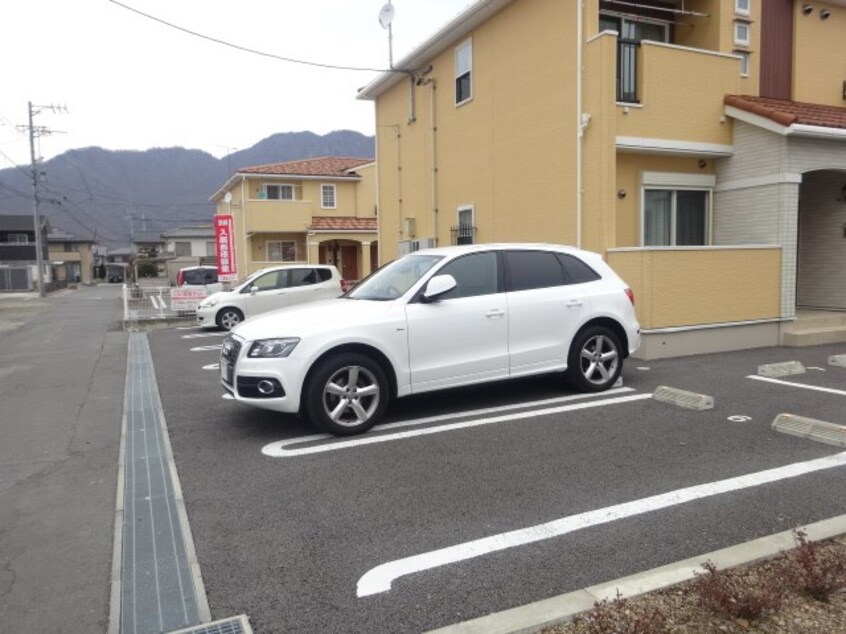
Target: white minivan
[{"x": 269, "y": 289}]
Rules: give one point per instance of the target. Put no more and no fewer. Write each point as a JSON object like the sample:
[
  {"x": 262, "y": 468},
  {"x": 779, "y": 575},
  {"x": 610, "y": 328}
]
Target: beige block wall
[
  {"x": 681, "y": 95},
  {"x": 685, "y": 287},
  {"x": 509, "y": 152},
  {"x": 819, "y": 55}
]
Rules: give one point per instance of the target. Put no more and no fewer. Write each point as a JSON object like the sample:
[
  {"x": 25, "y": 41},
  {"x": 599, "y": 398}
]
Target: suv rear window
[
  {"x": 324, "y": 274},
  {"x": 577, "y": 271},
  {"x": 199, "y": 277}
]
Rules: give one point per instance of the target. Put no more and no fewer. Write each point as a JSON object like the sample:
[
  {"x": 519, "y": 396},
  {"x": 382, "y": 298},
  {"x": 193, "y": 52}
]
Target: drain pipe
[
  {"x": 434, "y": 165},
  {"x": 579, "y": 125}
]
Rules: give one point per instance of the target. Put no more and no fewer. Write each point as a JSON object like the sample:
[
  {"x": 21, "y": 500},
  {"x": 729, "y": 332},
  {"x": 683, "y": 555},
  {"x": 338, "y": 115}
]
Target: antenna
[{"x": 386, "y": 16}]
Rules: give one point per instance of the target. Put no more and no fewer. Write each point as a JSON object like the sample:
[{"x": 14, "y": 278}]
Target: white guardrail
[{"x": 147, "y": 303}]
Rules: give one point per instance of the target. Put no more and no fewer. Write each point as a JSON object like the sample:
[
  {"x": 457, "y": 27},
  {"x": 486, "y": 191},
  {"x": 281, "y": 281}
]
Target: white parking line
[
  {"x": 212, "y": 366},
  {"x": 280, "y": 449},
  {"x": 828, "y": 390},
  {"x": 200, "y": 335},
  {"x": 204, "y": 348},
  {"x": 380, "y": 578}
]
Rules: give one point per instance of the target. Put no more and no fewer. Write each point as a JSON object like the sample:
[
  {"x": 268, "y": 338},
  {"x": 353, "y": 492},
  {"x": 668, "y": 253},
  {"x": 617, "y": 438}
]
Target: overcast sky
[{"x": 132, "y": 83}]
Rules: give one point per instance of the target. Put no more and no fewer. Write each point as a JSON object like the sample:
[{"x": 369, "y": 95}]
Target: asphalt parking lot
[{"x": 478, "y": 500}]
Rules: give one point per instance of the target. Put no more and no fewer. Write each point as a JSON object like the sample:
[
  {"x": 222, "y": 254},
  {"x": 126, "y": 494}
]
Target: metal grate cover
[{"x": 236, "y": 625}]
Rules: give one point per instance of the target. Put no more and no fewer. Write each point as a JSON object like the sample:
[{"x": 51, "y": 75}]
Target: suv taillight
[
  {"x": 345, "y": 286},
  {"x": 630, "y": 295},
  {"x": 179, "y": 278}
]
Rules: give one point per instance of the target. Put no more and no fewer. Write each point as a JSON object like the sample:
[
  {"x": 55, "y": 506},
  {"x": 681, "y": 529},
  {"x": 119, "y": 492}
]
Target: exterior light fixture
[
  {"x": 807, "y": 9},
  {"x": 825, "y": 14},
  {"x": 621, "y": 194}
]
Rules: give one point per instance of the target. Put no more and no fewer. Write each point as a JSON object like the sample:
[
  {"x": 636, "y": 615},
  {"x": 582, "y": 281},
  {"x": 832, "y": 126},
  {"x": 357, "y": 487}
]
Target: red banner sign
[{"x": 224, "y": 240}]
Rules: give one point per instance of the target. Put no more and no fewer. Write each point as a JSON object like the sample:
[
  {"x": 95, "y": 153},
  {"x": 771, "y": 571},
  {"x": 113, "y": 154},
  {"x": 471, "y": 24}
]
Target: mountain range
[{"x": 111, "y": 195}]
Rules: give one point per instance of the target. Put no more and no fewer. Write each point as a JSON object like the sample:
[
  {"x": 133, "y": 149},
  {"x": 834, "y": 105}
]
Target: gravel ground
[{"x": 684, "y": 613}]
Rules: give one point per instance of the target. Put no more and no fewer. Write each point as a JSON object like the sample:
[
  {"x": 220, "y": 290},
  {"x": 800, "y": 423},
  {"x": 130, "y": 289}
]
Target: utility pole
[{"x": 33, "y": 132}]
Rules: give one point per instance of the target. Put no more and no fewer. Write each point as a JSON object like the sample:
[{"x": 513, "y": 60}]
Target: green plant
[
  {"x": 814, "y": 569},
  {"x": 736, "y": 595},
  {"x": 618, "y": 616},
  {"x": 147, "y": 269}
]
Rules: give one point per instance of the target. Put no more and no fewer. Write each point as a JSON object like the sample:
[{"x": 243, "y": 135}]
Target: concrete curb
[{"x": 533, "y": 617}]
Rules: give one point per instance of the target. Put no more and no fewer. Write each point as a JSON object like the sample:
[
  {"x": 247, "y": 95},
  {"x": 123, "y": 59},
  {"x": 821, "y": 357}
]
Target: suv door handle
[
  {"x": 573, "y": 303},
  {"x": 496, "y": 313}
]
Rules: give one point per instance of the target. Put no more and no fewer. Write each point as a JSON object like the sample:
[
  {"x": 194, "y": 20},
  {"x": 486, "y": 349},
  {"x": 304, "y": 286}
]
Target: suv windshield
[{"x": 394, "y": 279}]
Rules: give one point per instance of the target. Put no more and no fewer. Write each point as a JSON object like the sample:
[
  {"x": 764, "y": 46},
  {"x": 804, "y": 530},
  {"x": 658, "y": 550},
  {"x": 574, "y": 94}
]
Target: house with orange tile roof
[
  {"x": 698, "y": 145},
  {"x": 317, "y": 211}
]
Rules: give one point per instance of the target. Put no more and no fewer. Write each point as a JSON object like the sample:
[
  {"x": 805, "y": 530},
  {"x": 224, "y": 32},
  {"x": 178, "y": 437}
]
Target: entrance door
[{"x": 349, "y": 262}]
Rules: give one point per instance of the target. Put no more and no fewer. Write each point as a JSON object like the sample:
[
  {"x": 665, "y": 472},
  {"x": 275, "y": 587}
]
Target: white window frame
[
  {"x": 466, "y": 44},
  {"x": 677, "y": 181},
  {"x": 743, "y": 7},
  {"x": 282, "y": 244},
  {"x": 323, "y": 188},
  {"x": 738, "y": 27},
  {"x": 280, "y": 186},
  {"x": 744, "y": 62}
]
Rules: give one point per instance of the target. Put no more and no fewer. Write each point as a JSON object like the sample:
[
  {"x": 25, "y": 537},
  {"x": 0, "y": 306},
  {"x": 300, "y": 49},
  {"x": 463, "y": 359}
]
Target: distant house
[
  {"x": 71, "y": 257},
  {"x": 188, "y": 246},
  {"x": 148, "y": 244},
  {"x": 18, "y": 257},
  {"x": 319, "y": 211},
  {"x": 196, "y": 241}
]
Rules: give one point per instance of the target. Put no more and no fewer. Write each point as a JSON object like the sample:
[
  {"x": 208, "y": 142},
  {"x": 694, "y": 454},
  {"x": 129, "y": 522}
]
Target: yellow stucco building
[
  {"x": 317, "y": 211},
  {"x": 686, "y": 142}
]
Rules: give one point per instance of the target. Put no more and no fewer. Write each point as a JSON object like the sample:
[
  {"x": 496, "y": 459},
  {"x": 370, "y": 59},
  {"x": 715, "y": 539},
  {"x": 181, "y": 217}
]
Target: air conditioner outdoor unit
[{"x": 423, "y": 243}]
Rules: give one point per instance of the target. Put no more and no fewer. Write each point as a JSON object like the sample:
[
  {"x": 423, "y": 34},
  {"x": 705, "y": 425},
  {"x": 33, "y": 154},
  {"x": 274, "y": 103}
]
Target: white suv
[
  {"x": 434, "y": 319},
  {"x": 269, "y": 289}
]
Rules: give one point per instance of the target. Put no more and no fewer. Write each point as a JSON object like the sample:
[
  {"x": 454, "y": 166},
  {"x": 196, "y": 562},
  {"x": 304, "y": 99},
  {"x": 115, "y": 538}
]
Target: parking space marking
[
  {"x": 200, "y": 335},
  {"x": 206, "y": 348},
  {"x": 380, "y": 578},
  {"x": 212, "y": 366},
  {"x": 280, "y": 449},
  {"x": 828, "y": 390}
]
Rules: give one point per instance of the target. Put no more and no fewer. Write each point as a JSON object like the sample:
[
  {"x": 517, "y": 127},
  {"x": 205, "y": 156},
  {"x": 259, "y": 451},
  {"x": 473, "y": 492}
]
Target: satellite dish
[
  {"x": 228, "y": 198},
  {"x": 386, "y": 15}
]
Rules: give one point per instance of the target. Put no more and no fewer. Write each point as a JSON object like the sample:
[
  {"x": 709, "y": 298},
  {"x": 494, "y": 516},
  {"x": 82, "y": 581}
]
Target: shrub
[
  {"x": 736, "y": 595},
  {"x": 813, "y": 569},
  {"x": 148, "y": 269},
  {"x": 619, "y": 617}
]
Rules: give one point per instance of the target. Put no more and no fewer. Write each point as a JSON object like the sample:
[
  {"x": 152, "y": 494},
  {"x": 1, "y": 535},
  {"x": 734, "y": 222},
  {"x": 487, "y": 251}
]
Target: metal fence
[{"x": 147, "y": 303}]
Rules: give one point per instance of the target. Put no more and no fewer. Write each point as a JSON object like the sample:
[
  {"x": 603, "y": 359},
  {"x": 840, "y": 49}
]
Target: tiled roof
[
  {"x": 787, "y": 113},
  {"x": 334, "y": 166},
  {"x": 342, "y": 223},
  {"x": 200, "y": 231}
]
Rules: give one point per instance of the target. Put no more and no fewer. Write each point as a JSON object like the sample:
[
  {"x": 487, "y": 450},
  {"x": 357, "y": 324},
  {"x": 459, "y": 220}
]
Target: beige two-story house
[
  {"x": 698, "y": 145},
  {"x": 319, "y": 211}
]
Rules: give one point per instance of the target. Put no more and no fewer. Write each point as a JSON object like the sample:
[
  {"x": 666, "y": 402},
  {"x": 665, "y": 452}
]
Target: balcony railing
[
  {"x": 627, "y": 51},
  {"x": 463, "y": 234}
]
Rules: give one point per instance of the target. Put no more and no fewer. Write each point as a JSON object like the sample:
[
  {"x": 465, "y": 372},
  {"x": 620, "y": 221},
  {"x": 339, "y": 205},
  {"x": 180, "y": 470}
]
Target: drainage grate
[
  {"x": 781, "y": 369},
  {"x": 236, "y": 625},
  {"x": 810, "y": 428},
  {"x": 683, "y": 398}
]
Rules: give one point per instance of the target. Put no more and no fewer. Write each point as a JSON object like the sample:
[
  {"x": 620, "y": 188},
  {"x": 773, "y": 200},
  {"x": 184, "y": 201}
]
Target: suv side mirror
[
  {"x": 438, "y": 286},
  {"x": 253, "y": 290}
]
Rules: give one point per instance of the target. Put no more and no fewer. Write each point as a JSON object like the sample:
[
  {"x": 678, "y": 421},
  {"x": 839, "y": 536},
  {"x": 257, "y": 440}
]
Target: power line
[{"x": 252, "y": 50}]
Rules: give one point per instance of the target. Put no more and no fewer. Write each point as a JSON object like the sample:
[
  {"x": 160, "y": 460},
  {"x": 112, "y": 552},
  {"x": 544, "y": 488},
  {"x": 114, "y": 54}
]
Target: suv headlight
[
  {"x": 208, "y": 303},
  {"x": 273, "y": 348}
]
